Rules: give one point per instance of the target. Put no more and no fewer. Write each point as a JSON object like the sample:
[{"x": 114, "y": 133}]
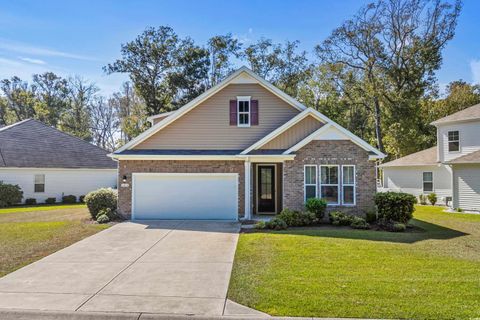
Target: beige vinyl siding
[
  {"x": 466, "y": 186},
  {"x": 208, "y": 125},
  {"x": 294, "y": 134}
]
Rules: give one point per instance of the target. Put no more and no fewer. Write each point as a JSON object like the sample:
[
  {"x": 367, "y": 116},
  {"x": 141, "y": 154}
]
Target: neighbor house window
[
  {"x": 348, "y": 184},
  {"x": 39, "y": 183},
  {"x": 243, "y": 111},
  {"x": 427, "y": 181},
  {"x": 329, "y": 184},
  {"x": 310, "y": 189},
  {"x": 453, "y": 141}
]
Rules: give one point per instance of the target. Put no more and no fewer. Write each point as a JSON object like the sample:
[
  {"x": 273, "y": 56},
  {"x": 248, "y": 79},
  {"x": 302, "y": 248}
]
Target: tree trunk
[{"x": 378, "y": 129}]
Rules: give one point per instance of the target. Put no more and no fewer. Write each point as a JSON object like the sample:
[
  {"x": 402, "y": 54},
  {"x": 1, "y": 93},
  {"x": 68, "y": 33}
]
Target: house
[
  {"x": 46, "y": 162},
  {"x": 451, "y": 169},
  {"x": 243, "y": 147}
]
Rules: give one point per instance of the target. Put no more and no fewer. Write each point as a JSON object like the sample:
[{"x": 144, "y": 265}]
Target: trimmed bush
[
  {"x": 69, "y": 199},
  {"x": 50, "y": 200},
  {"x": 276, "y": 224},
  {"x": 371, "y": 216},
  {"x": 81, "y": 199},
  {"x": 338, "y": 218},
  {"x": 296, "y": 218},
  {"x": 359, "y": 223},
  {"x": 399, "y": 227},
  {"x": 423, "y": 199},
  {"x": 30, "y": 201},
  {"x": 395, "y": 206},
  {"x": 432, "y": 198},
  {"x": 101, "y": 199},
  {"x": 10, "y": 194},
  {"x": 103, "y": 218},
  {"x": 316, "y": 206},
  {"x": 260, "y": 225}
]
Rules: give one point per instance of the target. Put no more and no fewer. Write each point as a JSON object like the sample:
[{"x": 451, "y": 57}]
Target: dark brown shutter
[
  {"x": 233, "y": 112},
  {"x": 254, "y": 113}
]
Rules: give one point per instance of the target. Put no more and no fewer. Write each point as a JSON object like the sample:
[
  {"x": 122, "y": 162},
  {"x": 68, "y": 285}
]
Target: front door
[{"x": 266, "y": 188}]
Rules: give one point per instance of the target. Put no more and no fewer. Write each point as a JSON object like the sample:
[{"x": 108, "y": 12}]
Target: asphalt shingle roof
[
  {"x": 32, "y": 144},
  {"x": 421, "y": 158},
  {"x": 470, "y": 113},
  {"x": 473, "y": 157}
]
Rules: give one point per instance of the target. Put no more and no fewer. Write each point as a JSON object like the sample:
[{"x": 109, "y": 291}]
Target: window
[
  {"x": 428, "y": 182},
  {"x": 243, "y": 111},
  {"x": 329, "y": 184},
  {"x": 453, "y": 141},
  {"x": 310, "y": 189},
  {"x": 39, "y": 183},
  {"x": 348, "y": 184}
]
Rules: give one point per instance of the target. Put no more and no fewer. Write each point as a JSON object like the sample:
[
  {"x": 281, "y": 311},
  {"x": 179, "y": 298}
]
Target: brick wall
[
  {"x": 127, "y": 167},
  {"x": 330, "y": 152}
]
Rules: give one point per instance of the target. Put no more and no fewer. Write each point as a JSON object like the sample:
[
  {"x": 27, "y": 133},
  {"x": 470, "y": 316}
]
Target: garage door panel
[{"x": 185, "y": 196}]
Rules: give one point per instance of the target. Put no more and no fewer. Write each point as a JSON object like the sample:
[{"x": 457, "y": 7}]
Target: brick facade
[
  {"x": 127, "y": 167},
  {"x": 330, "y": 152}
]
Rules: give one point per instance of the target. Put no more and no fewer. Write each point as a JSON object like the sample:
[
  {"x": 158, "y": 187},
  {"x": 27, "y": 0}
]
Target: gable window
[
  {"x": 348, "y": 184},
  {"x": 39, "y": 183},
  {"x": 428, "y": 182},
  {"x": 329, "y": 179},
  {"x": 310, "y": 181},
  {"x": 243, "y": 111},
  {"x": 453, "y": 141}
]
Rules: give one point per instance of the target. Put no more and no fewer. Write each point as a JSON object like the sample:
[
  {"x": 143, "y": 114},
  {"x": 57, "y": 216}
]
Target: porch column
[{"x": 248, "y": 207}]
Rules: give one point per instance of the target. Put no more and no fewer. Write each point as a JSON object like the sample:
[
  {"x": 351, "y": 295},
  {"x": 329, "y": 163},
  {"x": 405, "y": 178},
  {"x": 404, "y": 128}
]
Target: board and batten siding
[
  {"x": 207, "y": 126},
  {"x": 59, "y": 182},
  {"x": 469, "y": 139},
  {"x": 294, "y": 134},
  {"x": 410, "y": 180},
  {"x": 466, "y": 180}
]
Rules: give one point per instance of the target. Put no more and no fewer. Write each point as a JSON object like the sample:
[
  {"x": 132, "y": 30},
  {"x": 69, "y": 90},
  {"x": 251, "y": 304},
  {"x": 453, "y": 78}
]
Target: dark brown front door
[{"x": 266, "y": 188}]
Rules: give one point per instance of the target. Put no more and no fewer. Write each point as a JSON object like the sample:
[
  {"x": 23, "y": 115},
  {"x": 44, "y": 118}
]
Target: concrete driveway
[{"x": 172, "y": 267}]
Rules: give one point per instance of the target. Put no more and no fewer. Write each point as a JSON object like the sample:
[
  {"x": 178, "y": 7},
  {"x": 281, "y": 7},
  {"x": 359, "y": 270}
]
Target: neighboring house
[
  {"x": 243, "y": 147},
  {"x": 452, "y": 169},
  {"x": 46, "y": 162}
]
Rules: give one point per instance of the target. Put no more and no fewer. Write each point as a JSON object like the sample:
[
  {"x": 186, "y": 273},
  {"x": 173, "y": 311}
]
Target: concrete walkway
[{"x": 167, "y": 267}]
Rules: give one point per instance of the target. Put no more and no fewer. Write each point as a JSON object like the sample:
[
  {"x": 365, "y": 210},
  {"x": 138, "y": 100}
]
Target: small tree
[
  {"x": 10, "y": 194},
  {"x": 316, "y": 206},
  {"x": 432, "y": 197}
]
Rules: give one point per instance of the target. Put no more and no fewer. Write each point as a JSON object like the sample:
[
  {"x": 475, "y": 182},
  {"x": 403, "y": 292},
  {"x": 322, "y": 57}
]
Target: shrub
[
  {"x": 81, "y": 199},
  {"x": 399, "y": 227},
  {"x": 296, "y": 218},
  {"x": 30, "y": 201},
  {"x": 395, "y": 206},
  {"x": 276, "y": 224},
  {"x": 10, "y": 194},
  {"x": 101, "y": 199},
  {"x": 108, "y": 212},
  {"x": 50, "y": 200},
  {"x": 359, "y": 223},
  {"x": 423, "y": 199},
  {"x": 103, "y": 218},
  {"x": 260, "y": 225},
  {"x": 69, "y": 199},
  {"x": 459, "y": 210},
  {"x": 316, "y": 206},
  {"x": 432, "y": 197},
  {"x": 338, "y": 218},
  {"x": 371, "y": 216}
]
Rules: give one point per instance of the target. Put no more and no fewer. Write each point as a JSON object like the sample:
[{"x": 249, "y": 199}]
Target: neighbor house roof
[
  {"x": 32, "y": 144},
  {"x": 425, "y": 157},
  {"x": 473, "y": 157},
  {"x": 471, "y": 113}
]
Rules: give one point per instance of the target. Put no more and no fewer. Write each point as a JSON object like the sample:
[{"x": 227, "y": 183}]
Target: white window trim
[
  {"x": 354, "y": 185},
  {"x": 448, "y": 142},
  {"x": 244, "y": 98},
  {"x": 338, "y": 185},
  {"x": 35, "y": 182},
  {"x": 423, "y": 182},
  {"x": 305, "y": 185}
]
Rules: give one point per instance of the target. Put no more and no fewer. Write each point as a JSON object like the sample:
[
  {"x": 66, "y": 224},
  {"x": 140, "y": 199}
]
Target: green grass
[
  {"x": 26, "y": 236},
  {"x": 41, "y": 207},
  {"x": 329, "y": 272}
]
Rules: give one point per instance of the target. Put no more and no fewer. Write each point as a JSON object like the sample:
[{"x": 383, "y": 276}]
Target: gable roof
[
  {"x": 242, "y": 75},
  {"x": 32, "y": 144},
  {"x": 470, "y": 113},
  {"x": 427, "y": 157},
  {"x": 470, "y": 158}
]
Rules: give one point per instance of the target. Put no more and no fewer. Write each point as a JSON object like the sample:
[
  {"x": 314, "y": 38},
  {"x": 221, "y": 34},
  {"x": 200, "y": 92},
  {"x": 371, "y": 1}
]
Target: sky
[{"x": 80, "y": 37}]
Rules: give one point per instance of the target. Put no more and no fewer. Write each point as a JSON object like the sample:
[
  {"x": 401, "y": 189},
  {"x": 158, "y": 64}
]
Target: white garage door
[{"x": 195, "y": 196}]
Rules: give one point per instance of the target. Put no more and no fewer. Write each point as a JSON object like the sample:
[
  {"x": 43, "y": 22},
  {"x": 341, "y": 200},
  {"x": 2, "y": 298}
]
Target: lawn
[
  {"x": 327, "y": 272},
  {"x": 30, "y": 233}
]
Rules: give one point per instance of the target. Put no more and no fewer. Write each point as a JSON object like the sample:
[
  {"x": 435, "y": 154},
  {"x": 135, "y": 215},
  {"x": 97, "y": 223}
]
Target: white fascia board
[
  {"x": 207, "y": 94},
  {"x": 266, "y": 158}
]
